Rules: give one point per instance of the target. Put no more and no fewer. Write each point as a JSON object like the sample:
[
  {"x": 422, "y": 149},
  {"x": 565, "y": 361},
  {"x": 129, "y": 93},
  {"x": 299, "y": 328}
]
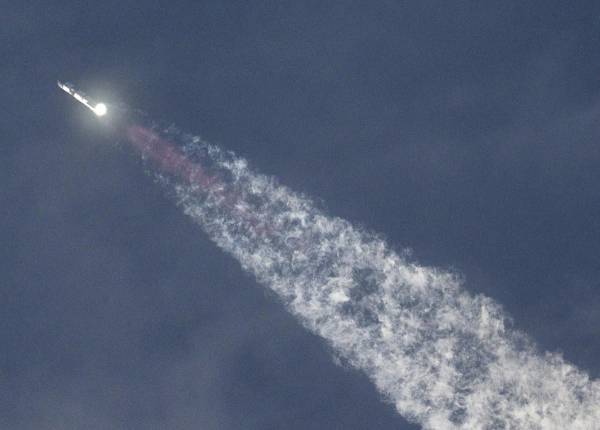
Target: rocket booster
[{"x": 98, "y": 108}]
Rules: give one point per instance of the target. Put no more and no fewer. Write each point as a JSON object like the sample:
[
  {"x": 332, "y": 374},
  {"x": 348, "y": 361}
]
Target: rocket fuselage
[{"x": 98, "y": 108}]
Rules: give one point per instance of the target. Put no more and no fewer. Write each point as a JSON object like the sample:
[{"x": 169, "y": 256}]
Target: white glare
[{"x": 100, "y": 109}]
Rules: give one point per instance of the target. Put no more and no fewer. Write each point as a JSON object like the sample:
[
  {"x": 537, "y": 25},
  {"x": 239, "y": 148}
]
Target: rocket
[{"x": 98, "y": 108}]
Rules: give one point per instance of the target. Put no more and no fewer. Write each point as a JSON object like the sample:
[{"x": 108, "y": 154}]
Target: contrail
[{"x": 446, "y": 358}]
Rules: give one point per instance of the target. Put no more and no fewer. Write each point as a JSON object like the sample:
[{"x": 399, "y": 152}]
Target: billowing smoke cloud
[{"x": 446, "y": 358}]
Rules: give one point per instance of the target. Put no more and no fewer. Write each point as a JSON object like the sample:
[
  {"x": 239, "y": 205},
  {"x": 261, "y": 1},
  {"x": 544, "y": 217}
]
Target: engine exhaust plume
[{"x": 446, "y": 358}]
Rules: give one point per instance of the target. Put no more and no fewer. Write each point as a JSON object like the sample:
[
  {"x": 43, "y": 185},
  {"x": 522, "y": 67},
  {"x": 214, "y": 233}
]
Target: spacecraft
[{"x": 99, "y": 109}]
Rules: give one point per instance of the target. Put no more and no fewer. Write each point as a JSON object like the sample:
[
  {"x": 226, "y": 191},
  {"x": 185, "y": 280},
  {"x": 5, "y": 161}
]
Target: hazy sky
[{"x": 465, "y": 131}]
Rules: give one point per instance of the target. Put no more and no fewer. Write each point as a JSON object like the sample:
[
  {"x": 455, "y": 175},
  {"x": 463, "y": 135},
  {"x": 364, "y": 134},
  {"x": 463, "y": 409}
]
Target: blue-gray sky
[{"x": 466, "y": 131}]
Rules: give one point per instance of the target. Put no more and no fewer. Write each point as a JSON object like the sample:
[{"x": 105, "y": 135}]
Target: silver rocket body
[{"x": 98, "y": 108}]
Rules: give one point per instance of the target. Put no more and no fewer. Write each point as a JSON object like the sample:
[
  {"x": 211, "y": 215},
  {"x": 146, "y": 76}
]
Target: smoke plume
[{"x": 446, "y": 358}]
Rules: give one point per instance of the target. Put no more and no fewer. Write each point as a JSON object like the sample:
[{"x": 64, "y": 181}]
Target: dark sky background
[{"x": 466, "y": 131}]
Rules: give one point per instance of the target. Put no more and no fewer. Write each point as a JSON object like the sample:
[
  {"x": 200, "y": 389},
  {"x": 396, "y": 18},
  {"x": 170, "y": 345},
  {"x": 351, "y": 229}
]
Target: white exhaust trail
[{"x": 443, "y": 356}]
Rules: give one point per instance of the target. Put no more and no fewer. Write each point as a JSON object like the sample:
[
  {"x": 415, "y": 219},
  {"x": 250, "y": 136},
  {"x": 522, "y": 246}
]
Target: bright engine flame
[{"x": 100, "y": 109}]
